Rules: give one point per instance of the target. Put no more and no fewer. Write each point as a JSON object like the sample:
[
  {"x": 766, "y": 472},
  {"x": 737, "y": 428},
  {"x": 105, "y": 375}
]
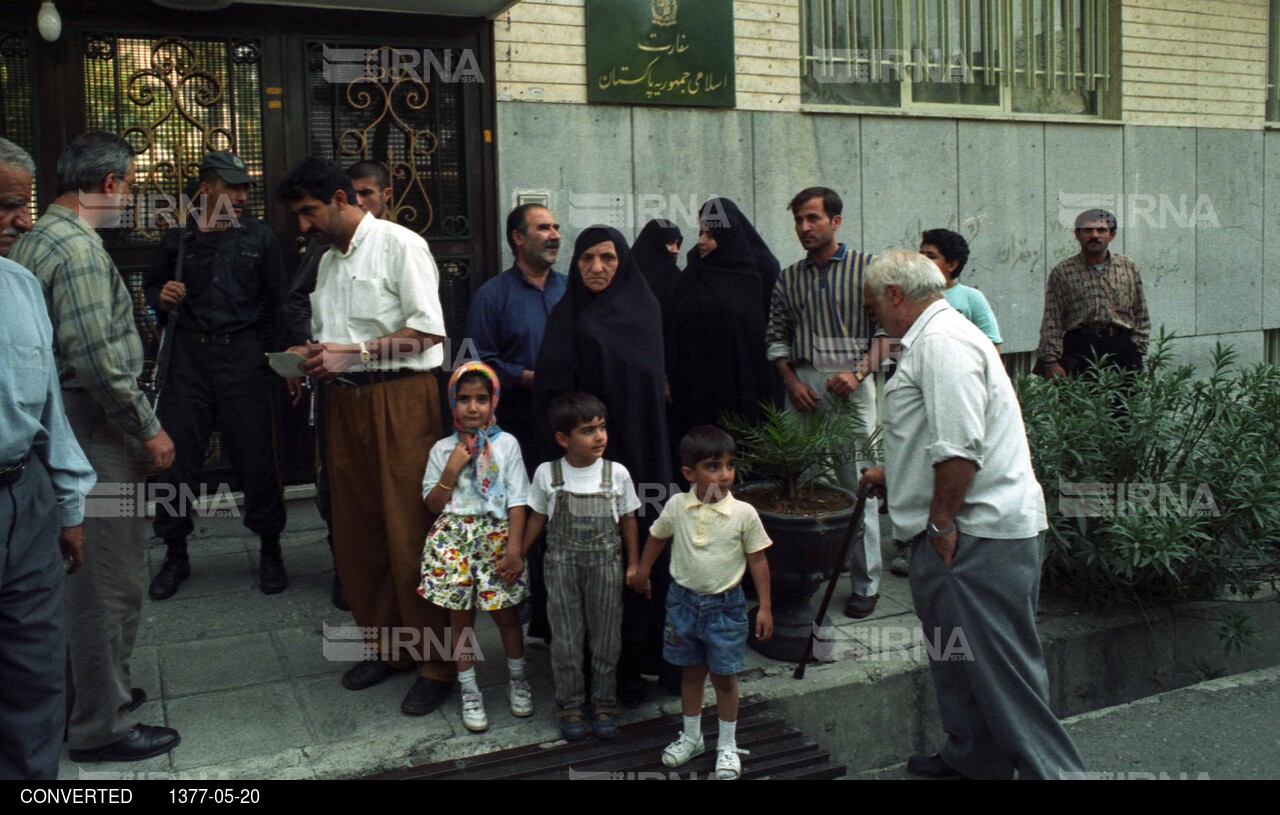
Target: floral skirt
[{"x": 460, "y": 565}]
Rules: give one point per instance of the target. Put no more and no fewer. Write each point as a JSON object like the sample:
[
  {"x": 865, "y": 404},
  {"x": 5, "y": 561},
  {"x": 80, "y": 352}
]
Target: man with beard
[
  {"x": 373, "y": 189},
  {"x": 509, "y": 315},
  {"x": 230, "y": 298},
  {"x": 378, "y": 322},
  {"x": 1093, "y": 305}
]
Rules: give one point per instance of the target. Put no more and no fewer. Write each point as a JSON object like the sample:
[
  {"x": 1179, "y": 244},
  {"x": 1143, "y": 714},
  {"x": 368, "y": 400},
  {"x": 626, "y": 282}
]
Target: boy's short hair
[
  {"x": 568, "y": 410},
  {"x": 951, "y": 245},
  {"x": 703, "y": 442}
]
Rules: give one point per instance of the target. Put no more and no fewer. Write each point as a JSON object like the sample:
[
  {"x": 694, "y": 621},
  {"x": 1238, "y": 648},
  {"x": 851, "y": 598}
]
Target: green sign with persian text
[{"x": 660, "y": 52}]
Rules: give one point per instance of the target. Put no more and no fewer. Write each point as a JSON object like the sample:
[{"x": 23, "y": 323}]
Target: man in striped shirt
[
  {"x": 1093, "y": 305},
  {"x": 820, "y": 340}
]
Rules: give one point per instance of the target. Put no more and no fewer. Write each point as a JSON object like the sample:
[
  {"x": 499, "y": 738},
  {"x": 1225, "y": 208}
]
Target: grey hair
[
  {"x": 12, "y": 155},
  {"x": 89, "y": 158},
  {"x": 912, "y": 271}
]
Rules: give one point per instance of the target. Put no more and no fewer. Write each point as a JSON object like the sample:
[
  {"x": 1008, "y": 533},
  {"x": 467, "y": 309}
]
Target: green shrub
[{"x": 1184, "y": 474}]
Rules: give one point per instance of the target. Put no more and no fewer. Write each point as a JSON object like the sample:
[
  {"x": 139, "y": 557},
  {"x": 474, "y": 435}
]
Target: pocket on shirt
[
  {"x": 369, "y": 307},
  {"x": 30, "y": 381}
]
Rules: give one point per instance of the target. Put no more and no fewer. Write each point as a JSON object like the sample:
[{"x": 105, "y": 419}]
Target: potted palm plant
[{"x": 787, "y": 460}]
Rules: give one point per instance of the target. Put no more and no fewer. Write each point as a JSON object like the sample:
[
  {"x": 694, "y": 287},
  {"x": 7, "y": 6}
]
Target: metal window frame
[{"x": 998, "y": 24}]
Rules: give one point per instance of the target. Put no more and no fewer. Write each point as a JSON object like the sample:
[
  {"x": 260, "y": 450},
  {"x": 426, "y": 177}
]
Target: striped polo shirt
[{"x": 816, "y": 317}]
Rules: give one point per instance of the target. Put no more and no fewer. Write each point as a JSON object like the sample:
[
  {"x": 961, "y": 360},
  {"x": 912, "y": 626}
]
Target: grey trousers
[
  {"x": 33, "y": 641},
  {"x": 104, "y": 598},
  {"x": 994, "y": 702},
  {"x": 585, "y": 586},
  {"x": 864, "y": 552}
]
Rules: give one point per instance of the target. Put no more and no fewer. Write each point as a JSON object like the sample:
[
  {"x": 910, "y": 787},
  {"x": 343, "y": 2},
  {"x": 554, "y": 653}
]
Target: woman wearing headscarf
[
  {"x": 715, "y": 328},
  {"x": 656, "y": 250},
  {"x": 604, "y": 337}
]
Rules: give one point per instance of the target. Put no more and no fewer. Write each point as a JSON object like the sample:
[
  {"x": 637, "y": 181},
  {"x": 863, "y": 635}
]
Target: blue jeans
[{"x": 708, "y": 629}]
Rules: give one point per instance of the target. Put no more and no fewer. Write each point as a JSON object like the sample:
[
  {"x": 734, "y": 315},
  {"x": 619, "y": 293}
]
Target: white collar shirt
[
  {"x": 951, "y": 398},
  {"x": 385, "y": 281}
]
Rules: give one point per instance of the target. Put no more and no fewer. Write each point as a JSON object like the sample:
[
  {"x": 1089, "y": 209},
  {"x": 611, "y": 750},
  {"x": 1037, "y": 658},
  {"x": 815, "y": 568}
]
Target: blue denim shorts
[{"x": 708, "y": 629}]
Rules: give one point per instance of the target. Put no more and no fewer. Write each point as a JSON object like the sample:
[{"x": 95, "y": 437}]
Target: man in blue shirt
[
  {"x": 509, "y": 316},
  {"x": 44, "y": 477}
]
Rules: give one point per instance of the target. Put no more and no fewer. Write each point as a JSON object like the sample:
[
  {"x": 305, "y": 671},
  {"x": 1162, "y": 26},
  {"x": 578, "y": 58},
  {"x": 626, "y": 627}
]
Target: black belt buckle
[
  {"x": 205, "y": 338},
  {"x": 11, "y": 474}
]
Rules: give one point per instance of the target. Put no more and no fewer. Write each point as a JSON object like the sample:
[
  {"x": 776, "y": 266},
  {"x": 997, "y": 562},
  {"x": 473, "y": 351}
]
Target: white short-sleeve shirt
[
  {"x": 583, "y": 481},
  {"x": 465, "y": 499},
  {"x": 385, "y": 281}
]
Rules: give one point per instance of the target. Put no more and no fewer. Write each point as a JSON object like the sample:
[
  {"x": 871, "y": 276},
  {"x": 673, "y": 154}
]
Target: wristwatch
[
  {"x": 366, "y": 354},
  {"x": 934, "y": 532},
  {"x": 859, "y": 375}
]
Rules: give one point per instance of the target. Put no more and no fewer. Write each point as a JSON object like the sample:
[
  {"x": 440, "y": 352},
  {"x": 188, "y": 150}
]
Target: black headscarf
[
  {"x": 715, "y": 329},
  {"x": 610, "y": 345},
  {"x": 656, "y": 264}
]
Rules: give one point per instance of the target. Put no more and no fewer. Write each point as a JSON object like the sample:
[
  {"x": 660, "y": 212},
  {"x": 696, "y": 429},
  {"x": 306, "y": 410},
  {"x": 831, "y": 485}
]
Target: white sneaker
[
  {"x": 473, "y": 717},
  {"x": 520, "y": 697},
  {"x": 682, "y": 750},
  {"x": 728, "y": 765}
]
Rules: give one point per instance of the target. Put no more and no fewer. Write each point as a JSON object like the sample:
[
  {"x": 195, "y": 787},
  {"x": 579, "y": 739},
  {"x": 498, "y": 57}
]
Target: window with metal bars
[
  {"x": 17, "y": 100},
  {"x": 1271, "y": 339},
  {"x": 1273, "y": 63},
  {"x": 1015, "y": 56}
]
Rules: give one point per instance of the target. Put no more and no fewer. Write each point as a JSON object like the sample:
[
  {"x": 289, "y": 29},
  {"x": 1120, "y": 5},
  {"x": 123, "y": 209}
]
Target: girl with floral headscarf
[{"x": 477, "y": 484}]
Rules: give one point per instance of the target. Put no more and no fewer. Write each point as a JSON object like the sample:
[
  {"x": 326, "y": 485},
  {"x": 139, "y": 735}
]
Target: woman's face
[
  {"x": 598, "y": 264},
  {"x": 674, "y": 248},
  {"x": 706, "y": 243}
]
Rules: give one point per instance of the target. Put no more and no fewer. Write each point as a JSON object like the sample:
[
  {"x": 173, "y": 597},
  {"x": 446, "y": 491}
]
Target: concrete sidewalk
[{"x": 244, "y": 678}]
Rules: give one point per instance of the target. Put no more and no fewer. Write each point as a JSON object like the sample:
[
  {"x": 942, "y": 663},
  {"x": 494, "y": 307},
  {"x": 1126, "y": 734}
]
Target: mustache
[{"x": 11, "y": 232}]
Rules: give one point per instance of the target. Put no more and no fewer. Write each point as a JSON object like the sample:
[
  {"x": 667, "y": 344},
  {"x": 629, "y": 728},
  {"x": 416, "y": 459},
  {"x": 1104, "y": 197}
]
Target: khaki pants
[{"x": 379, "y": 438}]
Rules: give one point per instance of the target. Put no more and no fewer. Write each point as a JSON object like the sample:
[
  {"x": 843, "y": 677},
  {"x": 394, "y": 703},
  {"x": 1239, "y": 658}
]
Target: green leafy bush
[{"x": 1160, "y": 486}]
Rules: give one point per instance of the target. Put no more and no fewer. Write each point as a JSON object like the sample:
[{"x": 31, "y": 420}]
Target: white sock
[
  {"x": 693, "y": 727},
  {"x": 728, "y": 735},
  {"x": 467, "y": 679},
  {"x": 516, "y": 667}
]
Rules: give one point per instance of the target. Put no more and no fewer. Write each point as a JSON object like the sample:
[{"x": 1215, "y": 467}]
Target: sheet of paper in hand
[{"x": 287, "y": 363}]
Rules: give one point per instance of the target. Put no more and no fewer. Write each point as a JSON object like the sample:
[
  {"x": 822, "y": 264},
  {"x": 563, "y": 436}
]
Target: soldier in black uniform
[
  {"x": 373, "y": 192},
  {"x": 230, "y": 312}
]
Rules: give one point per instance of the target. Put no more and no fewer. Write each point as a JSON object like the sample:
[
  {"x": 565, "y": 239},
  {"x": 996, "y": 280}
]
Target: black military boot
[
  {"x": 272, "y": 578},
  {"x": 175, "y": 569}
]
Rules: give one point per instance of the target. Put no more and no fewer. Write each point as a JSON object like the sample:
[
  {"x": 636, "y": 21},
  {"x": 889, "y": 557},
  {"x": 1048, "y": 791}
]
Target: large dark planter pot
[{"x": 800, "y": 561}]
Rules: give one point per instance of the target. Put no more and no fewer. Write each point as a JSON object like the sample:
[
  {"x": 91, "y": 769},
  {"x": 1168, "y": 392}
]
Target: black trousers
[
  {"x": 1084, "y": 347},
  {"x": 227, "y": 386}
]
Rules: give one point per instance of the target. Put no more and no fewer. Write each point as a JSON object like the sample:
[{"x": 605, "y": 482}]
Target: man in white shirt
[
  {"x": 377, "y": 324},
  {"x": 959, "y": 483}
]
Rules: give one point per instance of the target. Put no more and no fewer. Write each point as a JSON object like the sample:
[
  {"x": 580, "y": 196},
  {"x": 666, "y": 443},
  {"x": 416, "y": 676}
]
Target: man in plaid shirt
[
  {"x": 1093, "y": 305},
  {"x": 99, "y": 359}
]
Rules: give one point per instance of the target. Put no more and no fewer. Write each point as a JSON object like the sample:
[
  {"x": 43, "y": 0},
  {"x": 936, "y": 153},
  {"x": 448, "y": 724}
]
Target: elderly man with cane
[{"x": 959, "y": 483}]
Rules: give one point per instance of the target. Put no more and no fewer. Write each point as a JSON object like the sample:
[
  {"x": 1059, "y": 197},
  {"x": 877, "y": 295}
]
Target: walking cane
[{"x": 859, "y": 509}]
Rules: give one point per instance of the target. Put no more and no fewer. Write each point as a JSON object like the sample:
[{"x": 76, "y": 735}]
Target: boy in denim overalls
[{"x": 587, "y": 505}]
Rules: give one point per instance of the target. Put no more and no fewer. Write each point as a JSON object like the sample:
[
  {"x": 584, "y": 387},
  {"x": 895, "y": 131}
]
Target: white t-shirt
[
  {"x": 583, "y": 481},
  {"x": 465, "y": 499}
]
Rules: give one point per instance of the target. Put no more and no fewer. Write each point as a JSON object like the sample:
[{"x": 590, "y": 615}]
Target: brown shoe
[{"x": 859, "y": 606}]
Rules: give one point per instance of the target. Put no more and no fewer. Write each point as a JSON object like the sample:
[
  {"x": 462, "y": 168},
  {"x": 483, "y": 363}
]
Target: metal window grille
[
  {"x": 1019, "y": 364},
  {"x": 1039, "y": 45},
  {"x": 1271, "y": 338},
  {"x": 17, "y": 99}
]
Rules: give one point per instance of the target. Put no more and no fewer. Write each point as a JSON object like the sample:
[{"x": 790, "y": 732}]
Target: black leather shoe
[
  {"x": 175, "y": 569},
  {"x": 143, "y": 741},
  {"x": 933, "y": 767},
  {"x": 137, "y": 697},
  {"x": 425, "y": 696},
  {"x": 859, "y": 606},
  {"x": 272, "y": 578},
  {"x": 338, "y": 597},
  {"x": 366, "y": 674}
]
